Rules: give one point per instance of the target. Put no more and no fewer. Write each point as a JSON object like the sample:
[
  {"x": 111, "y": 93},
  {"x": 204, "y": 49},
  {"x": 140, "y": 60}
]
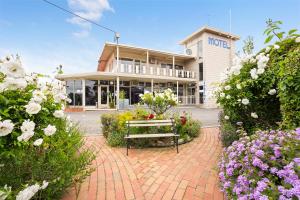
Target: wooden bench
[{"x": 151, "y": 123}]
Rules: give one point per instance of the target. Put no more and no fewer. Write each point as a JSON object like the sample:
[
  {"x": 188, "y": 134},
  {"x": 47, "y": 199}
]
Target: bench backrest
[{"x": 149, "y": 123}]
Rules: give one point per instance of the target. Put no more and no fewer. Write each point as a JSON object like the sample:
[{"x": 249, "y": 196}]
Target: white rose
[
  {"x": 13, "y": 69},
  {"x": 33, "y": 108},
  {"x": 27, "y": 125},
  {"x": 253, "y": 73},
  {"x": 238, "y": 86},
  {"x": 276, "y": 46},
  {"x": 228, "y": 96},
  {"x": 25, "y": 136},
  {"x": 15, "y": 83},
  {"x": 59, "y": 114},
  {"x": 260, "y": 71},
  {"x": 272, "y": 92},
  {"x": 297, "y": 40},
  {"x": 38, "y": 96},
  {"x": 254, "y": 115},
  {"x": 44, "y": 185},
  {"x": 28, "y": 192},
  {"x": 245, "y": 101},
  {"x": 226, "y": 117},
  {"x": 222, "y": 94},
  {"x": 38, "y": 142},
  {"x": 6, "y": 127},
  {"x": 2, "y": 87},
  {"x": 50, "y": 130},
  {"x": 227, "y": 87}
]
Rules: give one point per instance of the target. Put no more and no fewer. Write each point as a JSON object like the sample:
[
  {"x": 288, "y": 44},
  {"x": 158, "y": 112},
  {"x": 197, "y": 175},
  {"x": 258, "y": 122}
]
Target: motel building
[{"x": 130, "y": 71}]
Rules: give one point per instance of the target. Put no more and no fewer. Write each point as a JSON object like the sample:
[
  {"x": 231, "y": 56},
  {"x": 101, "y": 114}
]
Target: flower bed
[
  {"x": 39, "y": 146},
  {"x": 263, "y": 166},
  {"x": 114, "y": 128}
]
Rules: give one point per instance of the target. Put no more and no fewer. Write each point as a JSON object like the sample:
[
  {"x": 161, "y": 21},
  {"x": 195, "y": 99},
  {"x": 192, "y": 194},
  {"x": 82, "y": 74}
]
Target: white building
[{"x": 131, "y": 70}]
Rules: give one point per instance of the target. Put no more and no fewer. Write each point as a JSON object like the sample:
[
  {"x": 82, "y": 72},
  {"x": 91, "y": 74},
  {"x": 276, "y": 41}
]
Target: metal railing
[{"x": 132, "y": 68}]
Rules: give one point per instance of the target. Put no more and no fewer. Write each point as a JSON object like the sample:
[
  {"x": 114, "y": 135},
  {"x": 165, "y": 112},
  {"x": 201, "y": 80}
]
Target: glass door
[
  {"x": 104, "y": 95},
  {"x": 91, "y": 93}
]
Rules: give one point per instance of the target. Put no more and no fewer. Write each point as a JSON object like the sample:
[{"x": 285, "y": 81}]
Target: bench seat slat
[
  {"x": 151, "y": 135},
  {"x": 156, "y": 124},
  {"x": 148, "y": 121}
]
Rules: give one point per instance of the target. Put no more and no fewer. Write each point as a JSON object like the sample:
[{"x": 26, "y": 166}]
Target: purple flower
[
  {"x": 297, "y": 161},
  {"x": 277, "y": 152},
  {"x": 259, "y": 153},
  {"x": 229, "y": 171},
  {"x": 273, "y": 170}
]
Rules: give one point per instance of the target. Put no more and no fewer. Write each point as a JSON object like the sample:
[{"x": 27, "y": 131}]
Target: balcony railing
[{"x": 129, "y": 68}]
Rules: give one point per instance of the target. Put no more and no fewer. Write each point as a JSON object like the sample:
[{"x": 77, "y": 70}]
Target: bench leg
[
  {"x": 127, "y": 146},
  {"x": 174, "y": 141},
  {"x": 177, "y": 144}
]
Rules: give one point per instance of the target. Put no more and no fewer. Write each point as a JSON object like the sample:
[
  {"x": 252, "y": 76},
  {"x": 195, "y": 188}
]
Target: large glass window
[
  {"x": 135, "y": 92},
  {"x": 91, "y": 93},
  {"x": 74, "y": 92}
]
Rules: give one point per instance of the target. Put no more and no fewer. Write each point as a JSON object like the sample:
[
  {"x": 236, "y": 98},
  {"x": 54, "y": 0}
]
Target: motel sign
[{"x": 218, "y": 43}]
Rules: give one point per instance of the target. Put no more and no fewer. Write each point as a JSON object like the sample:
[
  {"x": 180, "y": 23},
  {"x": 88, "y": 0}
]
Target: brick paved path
[{"x": 154, "y": 173}]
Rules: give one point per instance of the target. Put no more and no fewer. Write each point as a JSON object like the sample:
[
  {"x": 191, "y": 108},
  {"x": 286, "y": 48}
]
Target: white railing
[
  {"x": 187, "y": 100},
  {"x": 131, "y": 68}
]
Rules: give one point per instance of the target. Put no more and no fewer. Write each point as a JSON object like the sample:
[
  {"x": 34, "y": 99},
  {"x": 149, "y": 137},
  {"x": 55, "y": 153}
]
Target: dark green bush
[
  {"x": 281, "y": 73},
  {"x": 228, "y": 131}
]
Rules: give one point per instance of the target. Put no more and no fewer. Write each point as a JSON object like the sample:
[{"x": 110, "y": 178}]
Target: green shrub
[
  {"x": 263, "y": 90},
  {"x": 228, "y": 131},
  {"x": 187, "y": 127},
  {"x": 38, "y": 144}
]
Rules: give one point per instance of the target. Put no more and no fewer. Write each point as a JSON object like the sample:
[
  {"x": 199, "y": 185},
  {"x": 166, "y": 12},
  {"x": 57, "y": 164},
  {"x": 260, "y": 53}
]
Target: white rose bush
[
  {"x": 159, "y": 102},
  {"x": 260, "y": 122},
  {"x": 41, "y": 151}
]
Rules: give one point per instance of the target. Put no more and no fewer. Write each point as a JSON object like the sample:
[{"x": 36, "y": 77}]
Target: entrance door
[{"x": 104, "y": 95}]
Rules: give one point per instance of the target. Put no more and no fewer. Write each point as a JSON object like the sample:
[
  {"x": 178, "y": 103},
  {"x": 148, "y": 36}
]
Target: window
[
  {"x": 201, "y": 71},
  {"x": 199, "y": 48},
  {"x": 74, "y": 91},
  {"x": 91, "y": 92}
]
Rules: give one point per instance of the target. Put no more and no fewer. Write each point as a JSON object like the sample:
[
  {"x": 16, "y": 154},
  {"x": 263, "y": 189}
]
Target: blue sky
[{"x": 46, "y": 37}]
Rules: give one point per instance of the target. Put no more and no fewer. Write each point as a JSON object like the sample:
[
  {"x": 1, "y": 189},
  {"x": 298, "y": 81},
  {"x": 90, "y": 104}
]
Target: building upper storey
[{"x": 144, "y": 61}]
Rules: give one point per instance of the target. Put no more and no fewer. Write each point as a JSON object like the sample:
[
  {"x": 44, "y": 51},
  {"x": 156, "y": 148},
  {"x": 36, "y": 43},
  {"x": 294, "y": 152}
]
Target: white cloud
[{"x": 89, "y": 9}]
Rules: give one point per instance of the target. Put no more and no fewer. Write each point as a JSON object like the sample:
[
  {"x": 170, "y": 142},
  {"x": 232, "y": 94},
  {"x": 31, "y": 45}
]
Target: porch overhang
[{"x": 123, "y": 76}]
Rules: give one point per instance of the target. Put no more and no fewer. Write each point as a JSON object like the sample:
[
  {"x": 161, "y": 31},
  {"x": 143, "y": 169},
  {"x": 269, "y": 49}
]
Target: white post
[
  {"x": 177, "y": 91},
  {"x": 147, "y": 61},
  {"x": 118, "y": 92},
  {"x": 118, "y": 54},
  {"x": 152, "y": 86},
  {"x": 83, "y": 93},
  {"x": 173, "y": 65}
]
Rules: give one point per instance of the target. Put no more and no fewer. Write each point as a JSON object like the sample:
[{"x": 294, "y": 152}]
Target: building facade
[{"x": 124, "y": 72}]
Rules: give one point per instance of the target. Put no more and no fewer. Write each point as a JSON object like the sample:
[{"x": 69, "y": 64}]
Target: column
[
  {"x": 83, "y": 92},
  {"x": 173, "y": 71},
  {"x": 118, "y": 59},
  {"x": 152, "y": 86},
  {"x": 118, "y": 92},
  {"x": 147, "y": 61},
  {"x": 177, "y": 91},
  {"x": 197, "y": 93}
]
